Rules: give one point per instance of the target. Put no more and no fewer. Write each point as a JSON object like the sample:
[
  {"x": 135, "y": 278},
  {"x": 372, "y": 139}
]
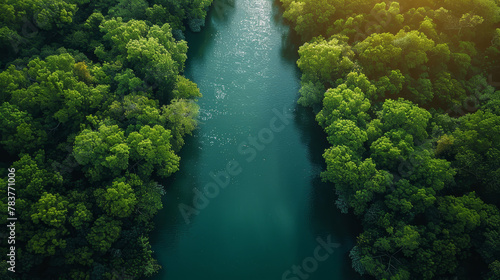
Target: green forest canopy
[
  {"x": 94, "y": 108},
  {"x": 402, "y": 90}
]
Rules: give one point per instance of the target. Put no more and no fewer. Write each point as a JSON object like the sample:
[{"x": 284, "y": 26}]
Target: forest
[
  {"x": 405, "y": 92},
  {"x": 94, "y": 109}
]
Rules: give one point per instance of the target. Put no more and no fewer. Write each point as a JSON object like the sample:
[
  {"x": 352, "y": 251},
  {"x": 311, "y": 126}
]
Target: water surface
[{"x": 274, "y": 208}]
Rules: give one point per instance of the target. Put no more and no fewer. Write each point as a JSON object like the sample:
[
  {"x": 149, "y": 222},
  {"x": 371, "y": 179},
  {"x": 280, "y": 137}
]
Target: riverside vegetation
[
  {"x": 94, "y": 108},
  {"x": 403, "y": 90}
]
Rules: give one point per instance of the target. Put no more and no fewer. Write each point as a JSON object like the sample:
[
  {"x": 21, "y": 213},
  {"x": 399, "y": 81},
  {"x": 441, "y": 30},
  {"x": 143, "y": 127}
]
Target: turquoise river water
[{"x": 248, "y": 202}]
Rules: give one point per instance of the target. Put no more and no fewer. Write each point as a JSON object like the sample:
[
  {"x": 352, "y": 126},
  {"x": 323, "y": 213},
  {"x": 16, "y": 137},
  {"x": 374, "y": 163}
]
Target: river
[{"x": 265, "y": 214}]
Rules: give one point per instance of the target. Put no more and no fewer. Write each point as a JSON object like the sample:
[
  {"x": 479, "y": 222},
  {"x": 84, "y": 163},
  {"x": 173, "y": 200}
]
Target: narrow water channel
[{"x": 267, "y": 215}]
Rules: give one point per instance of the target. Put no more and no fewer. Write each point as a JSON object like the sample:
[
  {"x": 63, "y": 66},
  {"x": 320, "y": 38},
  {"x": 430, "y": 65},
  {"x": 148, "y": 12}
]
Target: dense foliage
[
  {"x": 403, "y": 90},
  {"x": 94, "y": 108}
]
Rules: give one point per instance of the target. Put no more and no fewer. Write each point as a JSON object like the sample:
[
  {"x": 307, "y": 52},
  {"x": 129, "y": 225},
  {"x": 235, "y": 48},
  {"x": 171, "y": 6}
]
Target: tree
[
  {"x": 403, "y": 114},
  {"x": 103, "y": 152},
  {"x": 486, "y": 9},
  {"x": 158, "y": 14},
  {"x": 90, "y": 92},
  {"x": 127, "y": 82},
  {"x": 20, "y": 133},
  {"x": 311, "y": 93},
  {"x": 149, "y": 54},
  {"x": 181, "y": 118},
  {"x": 46, "y": 241},
  {"x": 103, "y": 233},
  {"x": 342, "y": 165},
  {"x": 382, "y": 52},
  {"x": 476, "y": 150},
  {"x": 415, "y": 46},
  {"x": 82, "y": 256},
  {"x": 11, "y": 79},
  {"x": 388, "y": 150},
  {"x": 326, "y": 60},
  {"x": 346, "y": 103},
  {"x": 312, "y": 18},
  {"x": 390, "y": 84},
  {"x": 495, "y": 270},
  {"x": 60, "y": 91},
  {"x": 148, "y": 199},
  {"x": 118, "y": 33},
  {"x": 150, "y": 51},
  {"x": 421, "y": 89},
  {"x": 377, "y": 54},
  {"x": 128, "y": 9},
  {"x": 81, "y": 216},
  {"x": 36, "y": 179},
  {"x": 50, "y": 209},
  {"x": 150, "y": 150},
  {"x": 118, "y": 200},
  {"x": 357, "y": 180},
  {"x": 136, "y": 110},
  {"x": 410, "y": 188},
  {"x": 450, "y": 90},
  {"x": 410, "y": 199},
  {"x": 346, "y": 132},
  {"x": 426, "y": 170},
  {"x": 185, "y": 89}
]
